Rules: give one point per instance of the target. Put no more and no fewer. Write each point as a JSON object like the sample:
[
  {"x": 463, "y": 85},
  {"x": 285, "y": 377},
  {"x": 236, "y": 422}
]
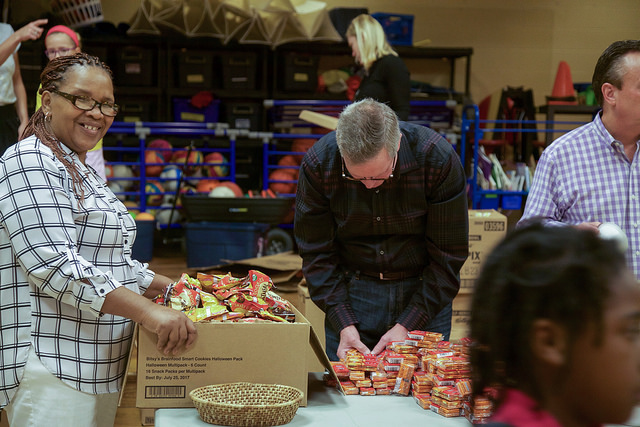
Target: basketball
[
  {"x": 192, "y": 165},
  {"x": 117, "y": 188},
  {"x": 145, "y": 216},
  {"x": 162, "y": 215},
  {"x": 164, "y": 148},
  {"x": 283, "y": 175},
  {"x": 291, "y": 164},
  {"x": 213, "y": 159},
  {"x": 154, "y": 161},
  {"x": 222, "y": 191},
  {"x": 170, "y": 177},
  {"x": 154, "y": 191},
  {"x": 301, "y": 145},
  {"x": 206, "y": 185},
  {"x": 123, "y": 171},
  {"x": 237, "y": 191}
]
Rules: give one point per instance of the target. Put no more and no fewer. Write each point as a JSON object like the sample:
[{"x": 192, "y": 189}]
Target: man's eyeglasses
[
  {"x": 54, "y": 53},
  {"x": 86, "y": 103},
  {"x": 347, "y": 176}
]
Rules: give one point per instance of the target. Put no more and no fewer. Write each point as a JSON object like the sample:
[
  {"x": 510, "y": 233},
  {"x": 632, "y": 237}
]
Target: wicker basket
[
  {"x": 78, "y": 13},
  {"x": 246, "y": 404}
]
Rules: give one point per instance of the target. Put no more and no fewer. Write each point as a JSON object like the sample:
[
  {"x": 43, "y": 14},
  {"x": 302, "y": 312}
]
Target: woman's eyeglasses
[
  {"x": 87, "y": 104},
  {"x": 54, "y": 53},
  {"x": 347, "y": 176}
]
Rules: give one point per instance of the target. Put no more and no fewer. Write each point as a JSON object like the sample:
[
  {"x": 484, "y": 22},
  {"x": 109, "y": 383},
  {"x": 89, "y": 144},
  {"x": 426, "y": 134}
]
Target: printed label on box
[
  {"x": 195, "y": 78},
  {"x": 192, "y": 117},
  {"x": 486, "y": 229},
  {"x": 132, "y": 68}
]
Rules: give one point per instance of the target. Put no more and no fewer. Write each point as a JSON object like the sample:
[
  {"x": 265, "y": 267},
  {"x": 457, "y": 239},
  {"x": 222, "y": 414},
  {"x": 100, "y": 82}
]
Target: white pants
[{"x": 44, "y": 400}]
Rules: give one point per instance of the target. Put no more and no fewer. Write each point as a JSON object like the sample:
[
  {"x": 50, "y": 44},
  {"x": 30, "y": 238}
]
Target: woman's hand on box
[{"x": 176, "y": 332}]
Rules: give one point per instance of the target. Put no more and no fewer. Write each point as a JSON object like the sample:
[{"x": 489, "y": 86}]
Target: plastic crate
[
  {"x": 490, "y": 201},
  {"x": 236, "y": 209},
  {"x": 195, "y": 69},
  {"x": 142, "y": 249},
  {"x": 183, "y": 111},
  {"x": 398, "y": 28},
  {"x": 300, "y": 73},
  {"x": 512, "y": 201},
  {"x": 135, "y": 66},
  {"x": 239, "y": 71},
  {"x": 211, "y": 243},
  {"x": 243, "y": 115}
]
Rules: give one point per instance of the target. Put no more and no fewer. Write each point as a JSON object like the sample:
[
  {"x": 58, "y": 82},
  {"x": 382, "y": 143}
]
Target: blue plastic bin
[
  {"x": 398, "y": 28},
  {"x": 490, "y": 201},
  {"x": 183, "y": 111},
  {"x": 209, "y": 243},
  {"x": 512, "y": 201}
]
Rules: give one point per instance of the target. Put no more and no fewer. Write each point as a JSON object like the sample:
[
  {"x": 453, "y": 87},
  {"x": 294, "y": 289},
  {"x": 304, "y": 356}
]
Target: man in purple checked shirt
[{"x": 591, "y": 175}]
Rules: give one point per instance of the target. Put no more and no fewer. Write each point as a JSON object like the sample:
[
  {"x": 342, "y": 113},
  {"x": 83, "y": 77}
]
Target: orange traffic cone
[{"x": 563, "y": 91}]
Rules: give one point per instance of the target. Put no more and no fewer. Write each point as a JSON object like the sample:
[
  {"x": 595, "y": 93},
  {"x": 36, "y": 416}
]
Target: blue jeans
[{"x": 377, "y": 304}]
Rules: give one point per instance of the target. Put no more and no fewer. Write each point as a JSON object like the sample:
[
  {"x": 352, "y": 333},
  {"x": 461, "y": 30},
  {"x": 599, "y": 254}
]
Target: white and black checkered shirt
[{"x": 58, "y": 259}]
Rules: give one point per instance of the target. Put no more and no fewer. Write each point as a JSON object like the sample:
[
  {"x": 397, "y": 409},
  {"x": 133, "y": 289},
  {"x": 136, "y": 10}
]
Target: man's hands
[
  {"x": 175, "y": 331},
  {"x": 397, "y": 333},
  {"x": 350, "y": 338}
]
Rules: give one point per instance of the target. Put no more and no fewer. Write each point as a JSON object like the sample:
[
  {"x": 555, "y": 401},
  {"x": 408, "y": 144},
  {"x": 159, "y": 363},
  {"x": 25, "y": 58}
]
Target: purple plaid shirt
[
  {"x": 415, "y": 221},
  {"x": 585, "y": 176}
]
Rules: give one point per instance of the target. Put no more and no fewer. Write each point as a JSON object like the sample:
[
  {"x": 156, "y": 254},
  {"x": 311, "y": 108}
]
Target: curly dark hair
[
  {"x": 53, "y": 74},
  {"x": 558, "y": 273}
]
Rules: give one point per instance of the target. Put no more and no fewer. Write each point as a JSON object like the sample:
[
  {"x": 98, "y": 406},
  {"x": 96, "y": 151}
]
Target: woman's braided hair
[
  {"x": 51, "y": 77},
  {"x": 538, "y": 272}
]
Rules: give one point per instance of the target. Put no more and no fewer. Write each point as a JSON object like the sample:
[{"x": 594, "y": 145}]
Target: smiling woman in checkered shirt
[{"x": 69, "y": 288}]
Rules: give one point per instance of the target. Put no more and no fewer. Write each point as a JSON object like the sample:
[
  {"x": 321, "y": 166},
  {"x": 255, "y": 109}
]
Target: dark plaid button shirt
[
  {"x": 58, "y": 260},
  {"x": 415, "y": 221}
]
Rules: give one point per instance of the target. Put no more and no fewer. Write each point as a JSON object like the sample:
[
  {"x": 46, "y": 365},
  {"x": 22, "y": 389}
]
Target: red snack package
[{"x": 258, "y": 283}]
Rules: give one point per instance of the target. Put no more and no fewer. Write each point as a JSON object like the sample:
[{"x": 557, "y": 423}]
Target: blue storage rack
[
  {"x": 472, "y": 132},
  {"x": 143, "y": 130}
]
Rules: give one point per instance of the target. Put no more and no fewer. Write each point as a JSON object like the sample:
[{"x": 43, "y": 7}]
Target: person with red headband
[
  {"x": 13, "y": 95},
  {"x": 62, "y": 41}
]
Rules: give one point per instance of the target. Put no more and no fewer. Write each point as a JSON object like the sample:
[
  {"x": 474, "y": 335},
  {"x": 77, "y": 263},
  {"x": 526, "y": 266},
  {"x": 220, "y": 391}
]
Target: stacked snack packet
[
  {"x": 435, "y": 372},
  {"x": 209, "y": 298}
]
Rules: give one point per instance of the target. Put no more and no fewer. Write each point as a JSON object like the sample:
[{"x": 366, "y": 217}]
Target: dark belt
[{"x": 394, "y": 275}]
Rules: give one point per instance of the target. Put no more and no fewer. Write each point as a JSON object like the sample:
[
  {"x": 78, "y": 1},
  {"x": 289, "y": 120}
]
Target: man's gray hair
[{"x": 366, "y": 127}]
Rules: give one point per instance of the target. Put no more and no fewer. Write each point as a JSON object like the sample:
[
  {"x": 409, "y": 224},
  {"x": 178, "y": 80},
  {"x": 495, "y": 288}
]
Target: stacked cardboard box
[{"x": 487, "y": 227}]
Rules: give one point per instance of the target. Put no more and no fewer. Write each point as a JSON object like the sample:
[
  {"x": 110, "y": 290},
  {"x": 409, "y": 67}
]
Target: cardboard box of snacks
[
  {"x": 316, "y": 317},
  {"x": 225, "y": 352},
  {"x": 487, "y": 227}
]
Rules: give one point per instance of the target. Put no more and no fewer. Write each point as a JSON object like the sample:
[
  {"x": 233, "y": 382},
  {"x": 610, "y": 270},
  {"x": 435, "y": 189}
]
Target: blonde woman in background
[
  {"x": 386, "y": 78},
  {"x": 63, "y": 41}
]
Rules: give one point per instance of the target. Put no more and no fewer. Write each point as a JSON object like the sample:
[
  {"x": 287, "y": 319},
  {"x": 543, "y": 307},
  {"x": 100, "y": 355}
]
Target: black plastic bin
[{"x": 236, "y": 209}]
